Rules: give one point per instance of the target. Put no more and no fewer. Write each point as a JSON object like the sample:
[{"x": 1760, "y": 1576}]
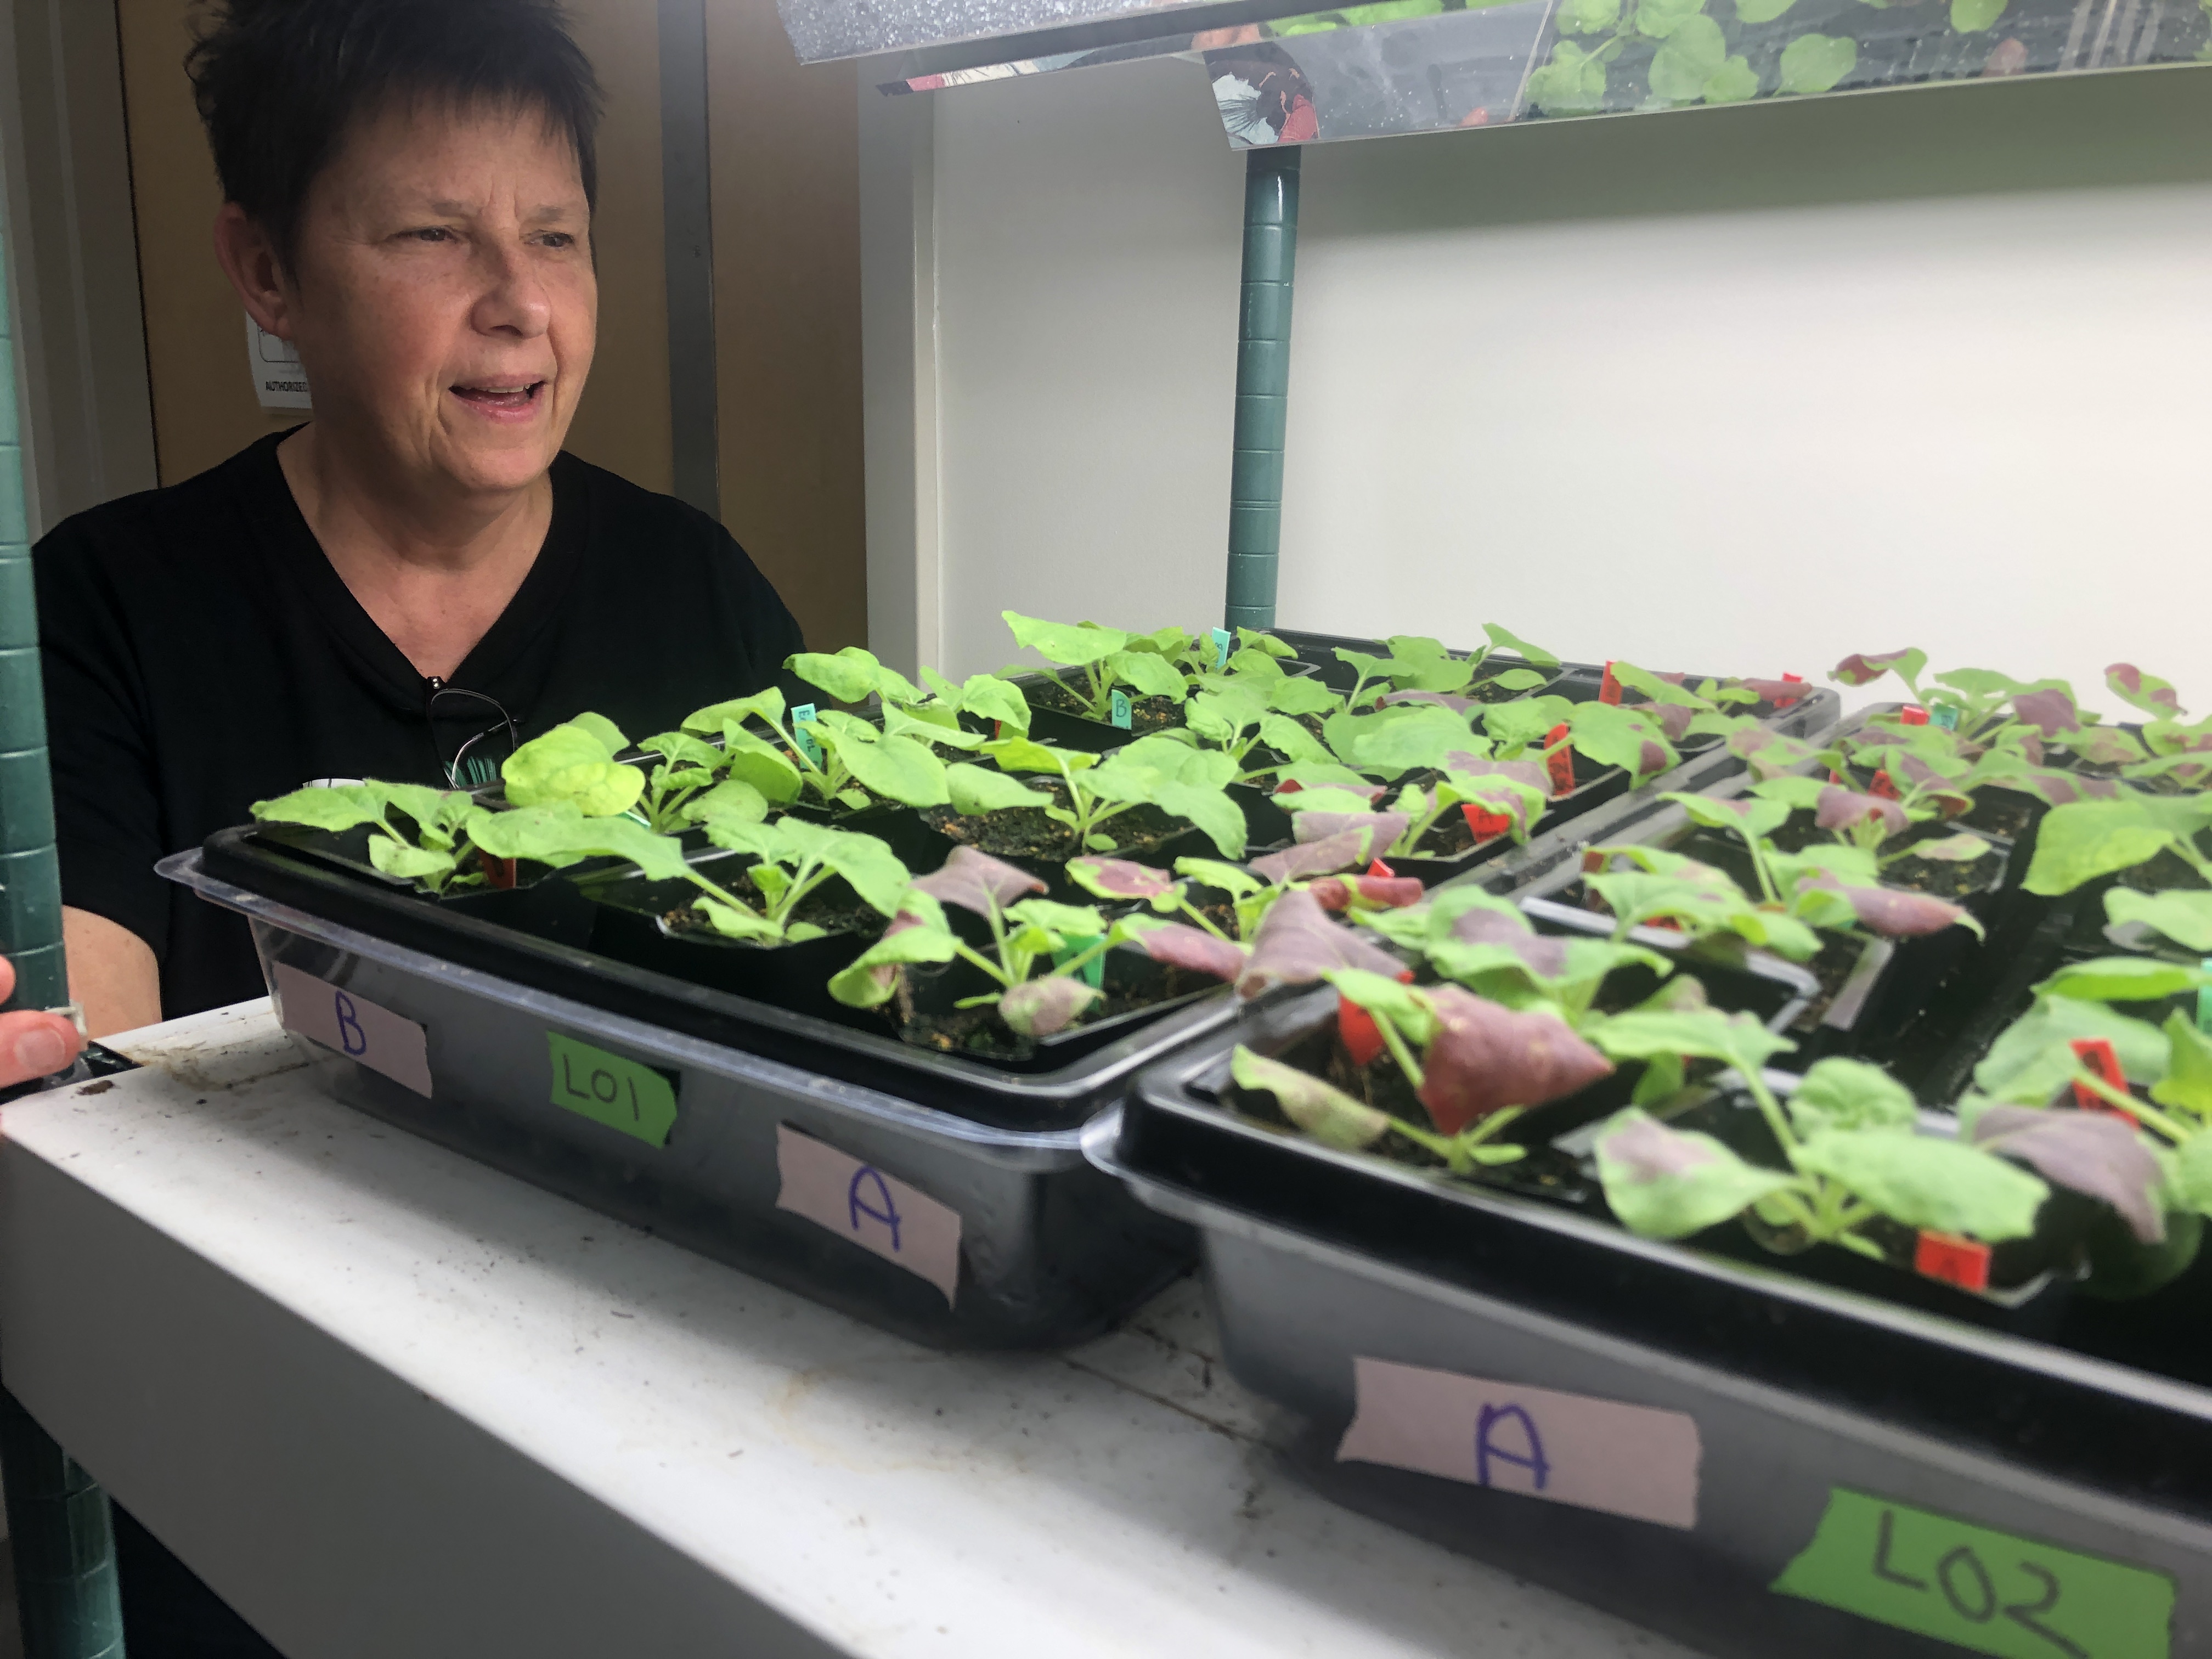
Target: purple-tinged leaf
[
  {"x": 1865, "y": 668},
  {"x": 1181, "y": 945},
  {"x": 1120, "y": 878},
  {"x": 1674, "y": 720},
  {"x": 2146, "y": 691},
  {"x": 1328, "y": 1115},
  {"x": 977, "y": 881},
  {"x": 1965, "y": 847},
  {"x": 1647, "y": 1150},
  {"x": 1780, "y": 693},
  {"x": 1039, "y": 1007},
  {"x": 1443, "y": 700},
  {"x": 1460, "y": 765},
  {"x": 2097, "y": 1154},
  {"x": 1841, "y": 808},
  {"x": 1319, "y": 858},
  {"x": 1768, "y": 753},
  {"x": 2063, "y": 788},
  {"x": 1336, "y": 893},
  {"x": 1926, "y": 777},
  {"x": 2048, "y": 711},
  {"x": 1895, "y": 914},
  {"x": 1485, "y": 1057},
  {"x": 2105, "y": 745},
  {"x": 2031, "y": 746},
  {"x": 1297, "y": 944},
  {"x": 1545, "y": 955},
  {"x": 1310, "y": 827}
]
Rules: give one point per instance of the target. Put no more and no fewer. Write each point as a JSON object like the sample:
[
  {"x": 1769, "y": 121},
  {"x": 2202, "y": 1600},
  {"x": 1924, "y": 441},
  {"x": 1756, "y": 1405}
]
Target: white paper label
[
  {"x": 279, "y": 380},
  {"x": 859, "y": 1201},
  {"x": 1568, "y": 1447},
  {"x": 355, "y": 1027}
]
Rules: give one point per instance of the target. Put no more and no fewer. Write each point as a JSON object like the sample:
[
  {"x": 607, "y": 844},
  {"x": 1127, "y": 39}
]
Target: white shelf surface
[{"x": 387, "y": 1401}]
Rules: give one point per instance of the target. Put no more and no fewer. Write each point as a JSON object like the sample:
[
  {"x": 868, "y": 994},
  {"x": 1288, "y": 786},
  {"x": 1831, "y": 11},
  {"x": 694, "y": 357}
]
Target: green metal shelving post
[
  {"x": 1263, "y": 383},
  {"x": 58, "y": 1523}
]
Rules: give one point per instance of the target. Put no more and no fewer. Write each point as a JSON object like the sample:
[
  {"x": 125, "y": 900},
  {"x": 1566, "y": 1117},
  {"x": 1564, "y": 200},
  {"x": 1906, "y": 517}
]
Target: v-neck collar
[{"x": 292, "y": 550}]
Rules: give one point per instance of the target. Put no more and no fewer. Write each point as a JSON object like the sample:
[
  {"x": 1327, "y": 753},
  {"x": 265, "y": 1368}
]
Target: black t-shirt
[{"x": 201, "y": 654}]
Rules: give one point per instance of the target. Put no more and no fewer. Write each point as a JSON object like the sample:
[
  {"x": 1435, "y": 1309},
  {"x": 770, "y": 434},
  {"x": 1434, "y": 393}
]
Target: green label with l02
[
  {"x": 1993, "y": 1592},
  {"x": 623, "y": 1094}
]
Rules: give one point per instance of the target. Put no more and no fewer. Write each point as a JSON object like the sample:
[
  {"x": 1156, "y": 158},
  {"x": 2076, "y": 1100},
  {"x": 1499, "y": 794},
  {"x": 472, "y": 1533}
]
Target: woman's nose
[{"x": 513, "y": 300}]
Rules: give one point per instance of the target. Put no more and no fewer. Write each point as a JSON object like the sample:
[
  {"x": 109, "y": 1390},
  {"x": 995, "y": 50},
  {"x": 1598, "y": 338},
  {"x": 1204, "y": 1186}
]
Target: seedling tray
[
  {"x": 1047, "y": 1250},
  {"x": 1814, "y": 1410}
]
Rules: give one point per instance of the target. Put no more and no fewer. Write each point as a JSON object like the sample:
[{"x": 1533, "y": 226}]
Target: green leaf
[
  {"x": 730, "y": 802},
  {"x": 681, "y": 749},
  {"x": 1850, "y": 1094},
  {"x": 331, "y": 806},
  {"x": 1405, "y": 738},
  {"x": 765, "y": 705},
  {"x": 898, "y": 768},
  {"x": 560, "y": 833},
  {"x": 2033, "y": 1058},
  {"x": 761, "y": 765},
  {"x": 1329, "y": 1116},
  {"x": 1153, "y": 676},
  {"x": 2123, "y": 979},
  {"x": 1798, "y": 793},
  {"x": 1526, "y": 720},
  {"x": 1760, "y": 11},
  {"x": 2188, "y": 1080},
  {"x": 2191, "y": 1182},
  {"x": 1504, "y": 639},
  {"x": 1923, "y": 1181},
  {"x": 1402, "y": 1005},
  {"x": 1658, "y": 20},
  {"x": 1761, "y": 817},
  {"x": 570, "y": 763},
  {"x": 1736, "y": 1040},
  {"x": 850, "y": 676},
  {"x": 608, "y": 733},
  {"x": 1691, "y": 51},
  {"x": 396, "y": 858},
  {"x": 1069, "y": 920},
  {"x": 975, "y": 790},
  {"x": 1972, "y": 17},
  {"x": 1732, "y": 83},
  {"x": 1664, "y": 1183},
  {"x": 2083, "y": 840},
  {"x": 1021, "y": 755},
  {"x": 2182, "y": 915},
  {"x": 1210, "y": 810},
  {"x": 1072, "y": 644},
  {"x": 1301, "y": 694},
  {"x": 1572, "y": 84},
  {"x": 1612, "y": 735},
  {"x": 861, "y": 986},
  {"x": 733, "y": 923},
  {"x": 1815, "y": 62}
]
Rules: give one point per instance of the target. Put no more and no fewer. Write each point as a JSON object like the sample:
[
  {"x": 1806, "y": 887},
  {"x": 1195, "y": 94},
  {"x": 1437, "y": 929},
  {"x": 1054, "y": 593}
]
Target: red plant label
[
  {"x": 1608, "y": 689},
  {"x": 1952, "y": 1259},
  {"x": 1594, "y": 860},
  {"x": 1791, "y": 679},
  {"x": 1379, "y": 868},
  {"x": 1882, "y": 786},
  {"x": 1912, "y": 715},
  {"x": 1485, "y": 824},
  {"x": 1357, "y": 1030},
  {"x": 2097, "y": 1057},
  {"x": 498, "y": 872},
  {"x": 1289, "y": 787},
  {"x": 1560, "y": 760}
]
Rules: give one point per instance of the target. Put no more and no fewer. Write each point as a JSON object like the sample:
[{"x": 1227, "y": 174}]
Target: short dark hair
[{"x": 280, "y": 83}]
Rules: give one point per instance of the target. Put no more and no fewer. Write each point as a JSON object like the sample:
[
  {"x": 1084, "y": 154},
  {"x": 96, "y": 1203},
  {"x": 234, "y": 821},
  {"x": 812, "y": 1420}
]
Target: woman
[{"x": 419, "y": 570}]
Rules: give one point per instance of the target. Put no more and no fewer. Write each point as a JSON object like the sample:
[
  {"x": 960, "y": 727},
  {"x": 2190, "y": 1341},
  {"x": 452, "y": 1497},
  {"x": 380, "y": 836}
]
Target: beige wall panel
[
  {"x": 786, "y": 171},
  {"x": 203, "y": 404}
]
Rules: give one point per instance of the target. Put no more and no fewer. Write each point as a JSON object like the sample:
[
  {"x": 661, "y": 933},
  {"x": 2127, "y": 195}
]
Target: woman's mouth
[{"x": 507, "y": 397}]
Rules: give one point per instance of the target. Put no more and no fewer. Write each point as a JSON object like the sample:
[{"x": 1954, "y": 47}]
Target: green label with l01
[
  {"x": 1994, "y": 1592},
  {"x": 623, "y": 1094}
]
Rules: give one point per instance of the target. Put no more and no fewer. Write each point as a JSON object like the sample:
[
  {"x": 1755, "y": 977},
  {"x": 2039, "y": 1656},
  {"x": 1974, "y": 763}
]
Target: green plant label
[
  {"x": 1093, "y": 972},
  {"x": 1223, "y": 638},
  {"x": 623, "y": 1094},
  {"x": 799, "y": 716},
  {"x": 1119, "y": 709},
  {"x": 1991, "y": 1591}
]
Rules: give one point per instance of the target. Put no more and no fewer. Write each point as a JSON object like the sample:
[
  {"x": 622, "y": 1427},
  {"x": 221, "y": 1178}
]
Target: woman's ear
[{"x": 249, "y": 259}]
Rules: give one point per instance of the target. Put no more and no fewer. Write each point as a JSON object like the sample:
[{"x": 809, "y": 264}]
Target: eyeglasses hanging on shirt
[{"x": 489, "y": 737}]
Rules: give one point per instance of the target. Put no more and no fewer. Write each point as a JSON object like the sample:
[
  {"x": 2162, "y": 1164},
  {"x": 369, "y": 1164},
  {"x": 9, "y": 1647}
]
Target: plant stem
[
  {"x": 1399, "y": 1052},
  {"x": 1776, "y": 1120},
  {"x": 983, "y": 962},
  {"x": 1198, "y": 916},
  {"x": 2142, "y": 1111}
]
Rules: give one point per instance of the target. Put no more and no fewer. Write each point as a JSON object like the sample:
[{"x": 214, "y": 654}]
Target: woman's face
[{"x": 442, "y": 296}]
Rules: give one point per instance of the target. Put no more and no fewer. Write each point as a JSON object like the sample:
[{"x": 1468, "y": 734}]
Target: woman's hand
[{"x": 32, "y": 1044}]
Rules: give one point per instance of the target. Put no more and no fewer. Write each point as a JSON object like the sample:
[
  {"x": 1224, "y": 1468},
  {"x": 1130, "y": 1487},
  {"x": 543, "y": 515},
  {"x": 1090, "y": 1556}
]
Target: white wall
[{"x": 1744, "y": 389}]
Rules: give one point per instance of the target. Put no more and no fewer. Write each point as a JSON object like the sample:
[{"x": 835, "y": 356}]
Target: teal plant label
[
  {"x": 623, "y": 1094},
  {"x": 800, "y": 715},
  {"x": 2204, "y": 1002},
  {"x": 1223, "y": 638},
  {"x": 1093, "y": 972},
  {"x": 1944, "y": 714},
  {"x": 1119, "y": 709},
  {"x": 1993, "y": 1592}
]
